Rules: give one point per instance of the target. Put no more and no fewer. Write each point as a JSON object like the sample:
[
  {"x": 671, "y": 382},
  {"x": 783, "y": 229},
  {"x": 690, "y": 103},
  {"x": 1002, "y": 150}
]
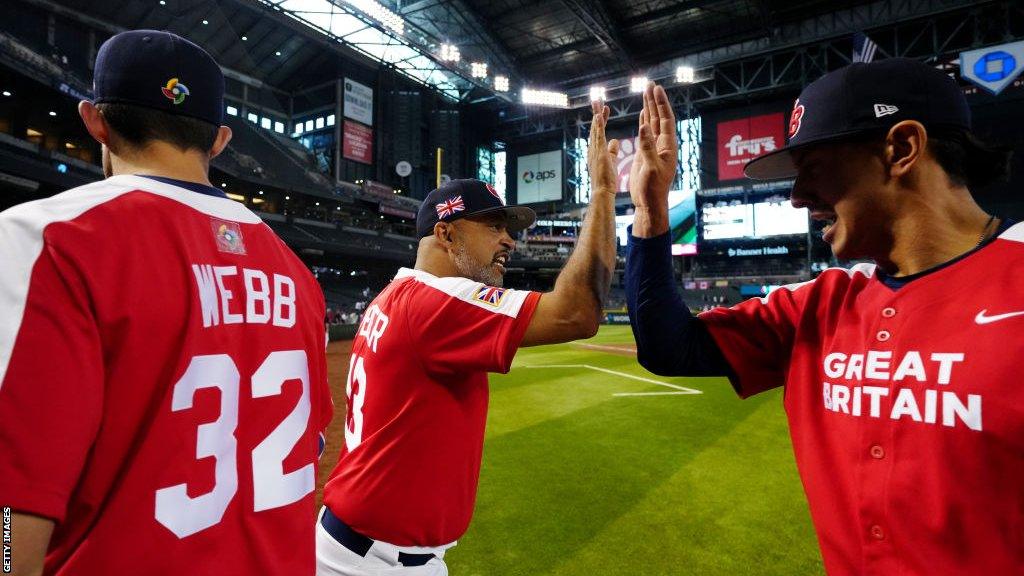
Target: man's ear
[
  {"x": 904, "y": 146},
  {"x": 94, "y": 122},
  {"x": 443, "y": 233},
  {"x": 221, "y": 142}
]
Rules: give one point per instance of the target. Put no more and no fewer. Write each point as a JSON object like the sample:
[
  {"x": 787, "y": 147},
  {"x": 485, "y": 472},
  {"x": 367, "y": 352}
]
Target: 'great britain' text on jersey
[{"x": 916, "y": 405}]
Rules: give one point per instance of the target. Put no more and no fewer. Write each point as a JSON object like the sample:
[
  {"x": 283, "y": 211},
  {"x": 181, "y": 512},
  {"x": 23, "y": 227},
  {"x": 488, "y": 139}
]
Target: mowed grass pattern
[{"x": 576, "y": 481}]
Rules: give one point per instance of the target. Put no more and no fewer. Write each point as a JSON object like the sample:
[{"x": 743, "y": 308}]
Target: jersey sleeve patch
[{"x": 491, "y": 298}]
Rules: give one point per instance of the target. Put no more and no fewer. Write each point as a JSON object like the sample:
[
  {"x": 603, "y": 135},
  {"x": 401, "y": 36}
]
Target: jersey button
[
  {"x": 877, "y": 533},
  {"x": 883, "y": 335},
  {"x": 889, "y": 312},
  {"x": 877, "y": 452}
]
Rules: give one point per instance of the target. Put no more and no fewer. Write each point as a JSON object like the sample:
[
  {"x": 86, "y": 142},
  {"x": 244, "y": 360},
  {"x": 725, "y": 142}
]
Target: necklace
[{"x": 984, "y": 231}]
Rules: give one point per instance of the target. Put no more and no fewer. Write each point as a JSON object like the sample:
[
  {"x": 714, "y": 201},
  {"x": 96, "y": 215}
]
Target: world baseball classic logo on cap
[
  {"x": 449, "y": 207},
  {"x": 175, "y": 90}
]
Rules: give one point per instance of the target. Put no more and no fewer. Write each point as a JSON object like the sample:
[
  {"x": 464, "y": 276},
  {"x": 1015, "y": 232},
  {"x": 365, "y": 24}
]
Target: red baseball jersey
[
  {"x": 417, "y": 398},
  {"x": 162, "y": 382},
  {"x": 905, "y": 408}
]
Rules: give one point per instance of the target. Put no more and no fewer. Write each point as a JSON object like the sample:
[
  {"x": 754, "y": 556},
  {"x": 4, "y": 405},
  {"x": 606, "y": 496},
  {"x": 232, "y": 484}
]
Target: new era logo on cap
[{"x": 885, "y": 110}]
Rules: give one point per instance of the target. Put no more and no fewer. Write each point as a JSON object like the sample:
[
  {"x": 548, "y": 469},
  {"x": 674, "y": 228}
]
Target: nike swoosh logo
[{"x": 981, "y": 318}]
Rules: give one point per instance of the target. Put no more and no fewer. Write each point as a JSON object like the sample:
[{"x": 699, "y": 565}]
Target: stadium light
[
  {"x": 637, "y": 84},
  {"x": 7, "y": 93},
  {"x": 379, "y": 13},
  {"x": 479, "y": 69},
  {"x": 450, "y": 53},
  {"x": 206, "y": 22},
  {"x": 244, "y": 38},
  {"x": 52, "y": 113},
  {"x": 501, "y": 83},
  {"x": 597, "y": 93},
  {"x": 684, "y": 74},
  {"x": 545, "y": 98}
]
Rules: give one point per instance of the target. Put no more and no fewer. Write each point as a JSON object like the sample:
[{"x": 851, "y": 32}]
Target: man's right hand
[
  {"x": 601, "y": 153},
  {"x": 654, "y": 167},
  {"x": 574, "y": 308}
]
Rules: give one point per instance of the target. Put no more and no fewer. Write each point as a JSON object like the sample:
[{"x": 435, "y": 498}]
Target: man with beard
[{"x": 404, "y": 488}]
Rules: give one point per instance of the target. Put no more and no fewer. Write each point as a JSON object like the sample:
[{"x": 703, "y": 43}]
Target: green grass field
[{"x": 577, "y": 481}]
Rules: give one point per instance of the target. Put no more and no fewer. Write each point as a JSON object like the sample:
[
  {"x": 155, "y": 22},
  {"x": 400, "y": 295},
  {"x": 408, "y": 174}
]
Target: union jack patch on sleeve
[
  {"x": 489, "y": 295},
  {"x": 449, "y": 207}
]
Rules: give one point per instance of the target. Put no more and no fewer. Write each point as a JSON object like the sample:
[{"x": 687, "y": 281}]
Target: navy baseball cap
[
  {"x": 469, "y": 197},
  {"x": 860, "y": 98},
  {"x": 159, "y": 70}
]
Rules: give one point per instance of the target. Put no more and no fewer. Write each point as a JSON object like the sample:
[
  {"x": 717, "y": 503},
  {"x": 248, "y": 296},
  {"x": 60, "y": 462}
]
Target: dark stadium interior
[{"x": 348, "y": 213}]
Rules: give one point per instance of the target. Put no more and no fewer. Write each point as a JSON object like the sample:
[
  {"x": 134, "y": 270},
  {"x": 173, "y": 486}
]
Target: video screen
[
  {"x": 682, "y": 218},
  {"x": 726, "y": 221}
]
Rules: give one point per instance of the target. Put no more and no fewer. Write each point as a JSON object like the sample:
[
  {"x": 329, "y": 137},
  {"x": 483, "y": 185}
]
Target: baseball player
[
  {"x": 404, "y": 488},
  {"x": 902, "y": 389},
  {"x": 162, "y": 367}
]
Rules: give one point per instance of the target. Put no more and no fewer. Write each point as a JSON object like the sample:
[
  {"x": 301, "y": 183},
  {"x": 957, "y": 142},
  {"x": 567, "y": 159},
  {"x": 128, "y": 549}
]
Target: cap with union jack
[{"x": 469, "y": 197}]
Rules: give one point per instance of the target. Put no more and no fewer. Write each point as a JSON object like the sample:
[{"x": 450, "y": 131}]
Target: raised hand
[
  {"x": 654, "y": 167},
  {"x": 601, "y": 155}
]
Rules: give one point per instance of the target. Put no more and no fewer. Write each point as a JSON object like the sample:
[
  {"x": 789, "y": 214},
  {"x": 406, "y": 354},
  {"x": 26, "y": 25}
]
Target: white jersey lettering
[{"x": 265, "y": 303}]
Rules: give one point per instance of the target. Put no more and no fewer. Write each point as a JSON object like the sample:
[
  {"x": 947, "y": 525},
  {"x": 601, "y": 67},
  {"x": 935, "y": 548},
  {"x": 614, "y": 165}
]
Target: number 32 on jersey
[{"x": 272, "y": 488}]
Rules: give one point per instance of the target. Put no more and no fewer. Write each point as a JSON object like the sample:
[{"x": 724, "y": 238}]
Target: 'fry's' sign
[{"x": 740, "y": 141}]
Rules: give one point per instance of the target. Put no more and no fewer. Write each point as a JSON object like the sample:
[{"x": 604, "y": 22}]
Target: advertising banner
[
  {"x": 740, "y": 141},
  {"x": 627, "y": 152},
  {"x": 539, "y": 177},
  {"x": 357, "y": 143},
  {"x": 358, "y": 102},
  {"x": 995, "y": 67}
]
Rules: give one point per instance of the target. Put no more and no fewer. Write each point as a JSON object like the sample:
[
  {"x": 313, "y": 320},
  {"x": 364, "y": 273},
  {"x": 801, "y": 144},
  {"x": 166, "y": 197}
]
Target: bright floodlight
[
  {"x": 597, "y": 93},
  {"x": 479, "y": 69},
  {"x": 501, "y": 83},
  {"x": 378, "y": 12},
  {"x": 637, "y": 83},
  {"x": 450, "y": 53},
  {"x": 684, "y": 74},
  {"x": 545, "y": 98}
]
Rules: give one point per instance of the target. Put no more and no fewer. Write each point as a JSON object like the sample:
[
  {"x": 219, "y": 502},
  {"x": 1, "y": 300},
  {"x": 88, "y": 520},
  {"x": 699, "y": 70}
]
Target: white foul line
[{"x": 679, "y": 390}]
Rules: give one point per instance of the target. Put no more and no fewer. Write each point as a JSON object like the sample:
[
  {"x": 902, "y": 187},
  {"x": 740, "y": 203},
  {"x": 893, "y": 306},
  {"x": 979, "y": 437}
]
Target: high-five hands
[
  {"x": 654, "y": 167},
  {"x": 601, "y": 154}
]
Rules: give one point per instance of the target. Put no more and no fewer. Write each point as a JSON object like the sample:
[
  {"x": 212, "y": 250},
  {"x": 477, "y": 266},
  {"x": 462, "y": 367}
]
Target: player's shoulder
[
  {"x": 841, "y": 274},
  {"x": 70, "y": 205},
  {"x": 836, "y": 277},
  {"x": 1015, "y": 235},
  {"x": 433, "y": 290},
  {"x": 66, "y": 205}
]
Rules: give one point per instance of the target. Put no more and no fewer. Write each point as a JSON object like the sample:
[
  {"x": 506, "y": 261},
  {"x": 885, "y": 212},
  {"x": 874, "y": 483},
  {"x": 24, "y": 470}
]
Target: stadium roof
[{"x": 562, "y": 45}]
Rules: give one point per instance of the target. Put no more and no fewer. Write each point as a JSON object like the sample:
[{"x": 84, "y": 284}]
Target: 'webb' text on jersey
[{"x": 266, "y": 300}]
